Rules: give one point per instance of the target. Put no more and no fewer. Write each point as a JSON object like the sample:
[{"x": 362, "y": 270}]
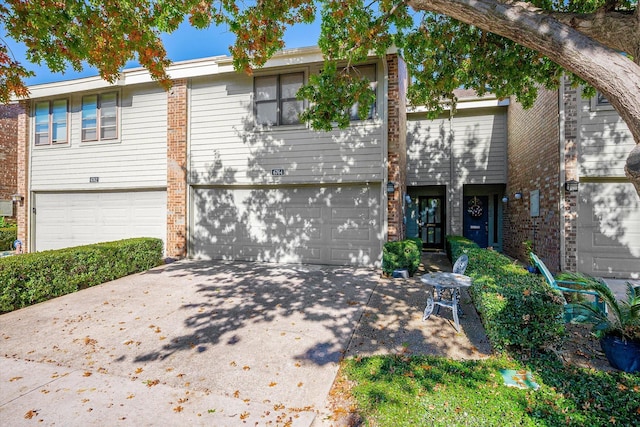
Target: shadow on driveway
[{"x": 208, "y": 343}]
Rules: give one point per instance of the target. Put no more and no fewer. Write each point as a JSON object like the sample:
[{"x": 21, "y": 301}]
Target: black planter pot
[{"x": 623, "y": 355}]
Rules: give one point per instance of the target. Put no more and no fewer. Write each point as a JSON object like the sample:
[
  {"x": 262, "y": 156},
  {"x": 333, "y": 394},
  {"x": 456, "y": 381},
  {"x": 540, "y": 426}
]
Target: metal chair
[{"x": 458, "y": 268}]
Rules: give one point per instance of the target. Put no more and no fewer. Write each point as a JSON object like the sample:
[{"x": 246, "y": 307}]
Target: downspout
[{"x": 561, "y": 200}]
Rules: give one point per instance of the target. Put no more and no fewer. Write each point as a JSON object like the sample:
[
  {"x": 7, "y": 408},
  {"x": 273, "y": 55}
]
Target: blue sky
[{"x": 185, "y": 43}]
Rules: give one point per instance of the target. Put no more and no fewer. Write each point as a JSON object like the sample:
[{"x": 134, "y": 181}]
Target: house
[
  {"x": 220, "y": 168},
  {"x": 566, "y": 158},
  {"x": 457, "y": 172},
  {"x": 8, "y": 152}
]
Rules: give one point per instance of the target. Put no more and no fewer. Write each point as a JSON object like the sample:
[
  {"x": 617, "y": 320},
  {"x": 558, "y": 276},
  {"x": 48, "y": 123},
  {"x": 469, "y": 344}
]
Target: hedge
[
  {"x": 8, "y": 235},
  {"x": 400, "y": 255},
  {"x": 35, "y": 277},
  {"x": 519, "y": 310}
]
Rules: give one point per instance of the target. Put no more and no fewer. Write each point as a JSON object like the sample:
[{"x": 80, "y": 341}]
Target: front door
[
  {"x": 476, "y": 219},
  {"x": 432, "y": 222}
]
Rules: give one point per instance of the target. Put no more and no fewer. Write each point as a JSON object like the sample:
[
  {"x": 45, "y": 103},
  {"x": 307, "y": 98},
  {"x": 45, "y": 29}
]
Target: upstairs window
[
  {"x": 600, "y": 102},
  {"x": 275, "y": 99},
  {"x": 51, "y": 123},
  {"x": 100, "y": 117},
  {"x": 368, "y": 72}
]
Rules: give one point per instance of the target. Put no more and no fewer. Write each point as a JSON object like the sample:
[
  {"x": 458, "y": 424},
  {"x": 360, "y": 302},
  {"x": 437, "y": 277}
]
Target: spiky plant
[{"x": 623, "y": 319}]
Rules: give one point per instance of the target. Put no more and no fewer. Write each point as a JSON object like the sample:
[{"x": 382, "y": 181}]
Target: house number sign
[
  {"x": 94, "y": 179},
  {"x": 277, "y": 172}
]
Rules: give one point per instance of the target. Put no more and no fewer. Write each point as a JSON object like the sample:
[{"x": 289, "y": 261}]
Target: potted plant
[{"x": 618, "y": 330}]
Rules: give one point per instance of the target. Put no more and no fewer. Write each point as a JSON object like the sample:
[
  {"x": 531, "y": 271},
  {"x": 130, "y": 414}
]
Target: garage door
[
  {"x": 79, "y": 218},
  {"x": 338, "y": 225},
  {"x": 609, "y": 230}
]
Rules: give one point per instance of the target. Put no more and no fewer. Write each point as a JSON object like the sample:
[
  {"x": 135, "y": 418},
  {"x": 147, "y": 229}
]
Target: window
[
  {"x": 368, "y": 71},
  {"x": 51, "y": 122},
  {"x": 275, "y": 99},
  {"x": 600, "y": 102},
  {"x": 100, "y": 117}
]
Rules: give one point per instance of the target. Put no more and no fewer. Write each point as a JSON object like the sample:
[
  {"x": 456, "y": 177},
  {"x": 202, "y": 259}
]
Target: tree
[{"x": 505, "y": 47}]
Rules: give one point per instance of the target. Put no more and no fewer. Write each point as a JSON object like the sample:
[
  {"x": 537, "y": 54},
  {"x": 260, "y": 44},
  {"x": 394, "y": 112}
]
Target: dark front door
[
  {"x": 476, "y": 219},
  {"x": 432, "y": 222}
]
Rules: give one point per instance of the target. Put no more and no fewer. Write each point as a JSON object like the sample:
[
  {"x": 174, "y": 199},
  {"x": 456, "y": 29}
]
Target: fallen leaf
[
  {"x": 151, "y": 383},
  {"x": 278, "y": 407},
  {"x": 244, "y": 415},
  {"x": 300, "y": 384},
  {"x": 15, "y": 379},
  {"x": 87, "y": 374},
  {"x": 236, "y": 393},
  {"x": 273, "y": 384},
  {"x": 139, "y": 370},
  {"x": 131, "y": 396},
  {"x": 233, "y": 363},
  {"x": 246, "y": 368},
  {"x": 177, "y": 409},
  {"x": 30, "y": 414}
]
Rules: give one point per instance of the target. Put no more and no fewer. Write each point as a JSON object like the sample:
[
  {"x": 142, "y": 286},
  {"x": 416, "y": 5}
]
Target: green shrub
[
  {"x": 460, "y": 244},
  {"x": 401, "y": 254},
  {"x": 519, "y": 311},
  {"x": 35, "y": 277},
  {"x": 7, "y": 236}
]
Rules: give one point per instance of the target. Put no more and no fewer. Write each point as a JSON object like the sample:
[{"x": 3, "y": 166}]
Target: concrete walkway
[{"x": 212, "y": 343}]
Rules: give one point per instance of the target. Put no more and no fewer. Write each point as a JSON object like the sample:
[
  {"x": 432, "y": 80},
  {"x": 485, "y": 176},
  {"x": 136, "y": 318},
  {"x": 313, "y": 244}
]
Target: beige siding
[
  {"x": 225, "y": 147},
  {"x": 471, "y": 146},
  {"x": 605, "y": 141},
  {"x": 136, "y": 159}
]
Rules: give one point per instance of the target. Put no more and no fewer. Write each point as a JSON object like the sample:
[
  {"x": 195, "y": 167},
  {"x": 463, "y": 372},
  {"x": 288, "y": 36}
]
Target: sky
[{"x": 183, "y": 44}]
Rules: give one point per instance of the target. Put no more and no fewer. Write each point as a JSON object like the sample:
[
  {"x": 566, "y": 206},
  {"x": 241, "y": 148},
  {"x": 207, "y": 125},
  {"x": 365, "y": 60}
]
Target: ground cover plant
[{"x": 403, "y": 390}]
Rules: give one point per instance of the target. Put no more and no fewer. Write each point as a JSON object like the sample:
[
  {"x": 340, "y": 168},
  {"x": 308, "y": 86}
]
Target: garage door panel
[
  {"x": 79, "y": 218},
  {"x": 289, "y": 224},
  {"x": 609, "y": 230}
]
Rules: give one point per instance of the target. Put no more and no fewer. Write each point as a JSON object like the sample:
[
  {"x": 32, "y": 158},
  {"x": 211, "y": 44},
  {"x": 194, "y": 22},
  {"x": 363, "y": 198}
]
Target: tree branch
[
  {"x": 617, "y": 30},
  {"x": 617, "y": 77}
]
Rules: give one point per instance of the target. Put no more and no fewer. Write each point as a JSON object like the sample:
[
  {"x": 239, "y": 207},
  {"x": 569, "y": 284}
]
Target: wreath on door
[{"x": 474, "y": 207}]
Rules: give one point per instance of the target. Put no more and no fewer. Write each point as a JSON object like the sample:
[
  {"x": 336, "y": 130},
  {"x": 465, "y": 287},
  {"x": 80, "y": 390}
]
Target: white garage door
[
  {"x": 338, "y": 225},
  {"x": 79, "y": 218},
  {"x": 609, "y": 230}
]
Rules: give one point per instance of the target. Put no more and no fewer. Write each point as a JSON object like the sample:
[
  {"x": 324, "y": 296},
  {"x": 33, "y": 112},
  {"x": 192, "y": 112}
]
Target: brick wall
[
  {"x": 570, "y": 201},
  {"x": 22, "y": 209},
  {"x": 534, "y": 164},
  {"x": 176, "y": 170},
  {"x": 8, "y": 150},
  {"x": 397, "y": 145}
]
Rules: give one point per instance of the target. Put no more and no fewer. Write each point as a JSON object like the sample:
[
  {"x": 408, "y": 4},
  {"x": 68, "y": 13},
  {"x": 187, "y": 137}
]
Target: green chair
[{"x": 560, "y": 285}]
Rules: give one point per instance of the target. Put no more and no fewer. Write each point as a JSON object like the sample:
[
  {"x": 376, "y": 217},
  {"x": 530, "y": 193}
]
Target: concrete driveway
[{"x": 208, "y": 343}]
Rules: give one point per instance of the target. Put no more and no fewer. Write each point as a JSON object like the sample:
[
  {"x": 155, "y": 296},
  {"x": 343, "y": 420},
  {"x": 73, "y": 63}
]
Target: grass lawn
[{"x": 404, "y": 390}]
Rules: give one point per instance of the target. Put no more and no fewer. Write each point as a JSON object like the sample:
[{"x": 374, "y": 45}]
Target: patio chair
[
  {"x": 458, "y": 268},
  {"x": 558, "y": 285}
]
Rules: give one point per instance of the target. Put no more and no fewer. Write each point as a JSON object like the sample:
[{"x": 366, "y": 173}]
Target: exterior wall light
[
  {"x": 518, "y": 195},
  {"x": 571, "y": 186},
  {"x": 407, "y": 198},
  {"x": 391, "y": 187},
  {"x": 17, "y": 197},
  {"x": 505, "y": 199}
]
